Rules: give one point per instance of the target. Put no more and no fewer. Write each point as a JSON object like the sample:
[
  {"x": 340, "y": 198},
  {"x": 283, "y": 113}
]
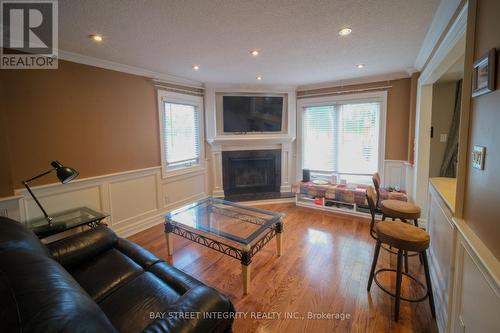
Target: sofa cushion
[
  {"x": 16, "y": 237},
  {"x": 100, "y": 275},
  {"x": 129, "y": 308},
  {"x": 78, "y": 248},
  {"x": 140, "y": 255},
  {"x": 174, "y": 277},
  {"x": 38, "y": 295}
]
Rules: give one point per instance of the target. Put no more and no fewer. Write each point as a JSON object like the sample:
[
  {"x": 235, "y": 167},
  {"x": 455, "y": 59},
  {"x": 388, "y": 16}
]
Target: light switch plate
[
  {"x": 478, "y": 157},
  {"x": 443, "y": 137}
]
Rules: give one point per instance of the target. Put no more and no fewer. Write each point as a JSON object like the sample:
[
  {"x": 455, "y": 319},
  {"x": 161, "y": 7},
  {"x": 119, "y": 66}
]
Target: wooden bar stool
[
  {"x": 395, "y": 209},
  {"x": 371, "y": 198},
  {"x": 404, "y": 237}
]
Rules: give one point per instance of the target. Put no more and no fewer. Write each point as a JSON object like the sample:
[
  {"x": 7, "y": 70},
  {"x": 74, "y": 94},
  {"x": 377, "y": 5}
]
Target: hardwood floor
[{"x": 324, "y": 269}]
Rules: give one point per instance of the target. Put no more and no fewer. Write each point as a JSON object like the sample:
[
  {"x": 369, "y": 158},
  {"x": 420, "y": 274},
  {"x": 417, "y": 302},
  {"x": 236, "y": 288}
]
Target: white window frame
[
  {"x": 379, "y": 96},
  {"x": 178, "y": 98}
]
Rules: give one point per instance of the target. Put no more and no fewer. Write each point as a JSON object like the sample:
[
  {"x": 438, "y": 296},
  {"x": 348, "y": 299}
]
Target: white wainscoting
[
  {"x": 394, "y": 174},
  {"x": 441, "y": 253},
  {"x": 465, "y": 274},
  {"x": 409, "y": 181},
  {"x": 135, "y": 200},
  {"x": 477, "y": 294}
]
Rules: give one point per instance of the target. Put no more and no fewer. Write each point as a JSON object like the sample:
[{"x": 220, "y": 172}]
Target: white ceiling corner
[{"x": 298, "y": 39}]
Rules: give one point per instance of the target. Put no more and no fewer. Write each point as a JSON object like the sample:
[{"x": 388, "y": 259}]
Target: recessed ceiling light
[
  {"x": 345, "y": 31},
  {"x": 254, "y": 53},
  {"x": 96, "y": 38},
  {"x": 259, "y": 78},
  {"x": 360, "y": 66},
  {"x": 196, "y": 67}
]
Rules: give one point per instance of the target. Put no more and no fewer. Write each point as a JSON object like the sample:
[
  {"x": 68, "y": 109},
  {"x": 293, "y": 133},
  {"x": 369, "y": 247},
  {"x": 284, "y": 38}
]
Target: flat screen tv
[{"x": 252, "y": 113}]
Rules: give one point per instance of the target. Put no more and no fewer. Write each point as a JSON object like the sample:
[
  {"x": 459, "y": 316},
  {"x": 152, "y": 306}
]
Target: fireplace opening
[{"x": 251, "y": 171}]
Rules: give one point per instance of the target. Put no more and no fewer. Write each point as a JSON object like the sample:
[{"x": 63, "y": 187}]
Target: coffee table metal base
[{"x": 244, "y": 255}]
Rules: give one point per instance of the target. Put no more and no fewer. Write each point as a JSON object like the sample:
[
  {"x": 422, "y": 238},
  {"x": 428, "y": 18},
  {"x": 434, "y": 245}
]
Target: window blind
[
  {"x": 341, "y": 138},
  {"x": 359, "y": 139},
  {"x": 319, "y": 149},
  {"x": 181, "y": 135}
]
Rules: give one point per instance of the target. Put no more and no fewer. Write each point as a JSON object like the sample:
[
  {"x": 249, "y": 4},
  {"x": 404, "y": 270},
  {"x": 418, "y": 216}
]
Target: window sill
[{"x": 166, "y": 174}]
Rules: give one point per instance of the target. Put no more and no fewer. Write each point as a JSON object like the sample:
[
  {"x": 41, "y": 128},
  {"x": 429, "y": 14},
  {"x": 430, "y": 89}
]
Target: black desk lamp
[{"x": 65, "y": 175}]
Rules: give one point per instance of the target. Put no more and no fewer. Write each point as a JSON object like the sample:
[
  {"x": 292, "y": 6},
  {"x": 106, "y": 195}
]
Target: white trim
[
  {"x": 453, "y": 39},
  {"x": 326, "y": 100},
  {"x": 486, "y": 283},
  {"x": 442, "y": 16},
  {"x": 484, "y": 258},
  {"x": 11, "y": 198},
  {"x": 115, "y": 66},
  {"x": 454, "y": 241},
  {"x": 250, "y": 139},
  {"x": 250, "y": 88},
  {"x": 131, "y": 211},
  {"x": 197, "y": 102},
  {"x": 89, "y": 181},
  {"x": 267, "y": 202},
  {"x": 355, "y": 81},
  {"x": 449, "y": 51}
]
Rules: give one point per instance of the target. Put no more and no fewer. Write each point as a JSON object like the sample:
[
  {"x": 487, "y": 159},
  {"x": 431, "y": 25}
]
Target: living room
[{"x": 217, "y": 166}]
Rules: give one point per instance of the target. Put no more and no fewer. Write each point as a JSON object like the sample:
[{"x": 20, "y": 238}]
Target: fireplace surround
[{"x": 251, "y": 171}]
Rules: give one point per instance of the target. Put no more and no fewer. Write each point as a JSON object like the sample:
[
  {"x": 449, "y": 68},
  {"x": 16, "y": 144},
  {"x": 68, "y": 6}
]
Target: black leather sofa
[{"x": 95, "y": 281}]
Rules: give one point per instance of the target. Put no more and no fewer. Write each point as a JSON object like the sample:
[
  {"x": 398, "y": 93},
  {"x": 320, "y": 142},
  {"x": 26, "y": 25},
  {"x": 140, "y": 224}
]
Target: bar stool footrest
[{"x": 412, "y": 300}]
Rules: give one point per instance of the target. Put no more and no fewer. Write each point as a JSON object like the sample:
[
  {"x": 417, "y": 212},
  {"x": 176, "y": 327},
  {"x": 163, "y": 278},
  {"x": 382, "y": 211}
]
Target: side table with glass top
[{"x": 67, "y": 220}]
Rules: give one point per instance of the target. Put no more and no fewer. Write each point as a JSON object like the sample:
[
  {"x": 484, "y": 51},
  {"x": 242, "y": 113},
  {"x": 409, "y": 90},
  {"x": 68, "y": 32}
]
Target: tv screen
[{"x": 252, "y": 113}]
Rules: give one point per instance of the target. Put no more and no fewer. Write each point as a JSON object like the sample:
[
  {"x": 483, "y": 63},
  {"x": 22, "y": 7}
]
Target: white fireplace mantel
[
  {"x": 250, "y": 139},
  {"x": 251, "y": 142}
]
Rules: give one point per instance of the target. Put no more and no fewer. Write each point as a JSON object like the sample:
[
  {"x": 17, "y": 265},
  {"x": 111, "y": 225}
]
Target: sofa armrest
[
  {"x": 201, "y": 309},
  {"x": 75, "y": 249}
]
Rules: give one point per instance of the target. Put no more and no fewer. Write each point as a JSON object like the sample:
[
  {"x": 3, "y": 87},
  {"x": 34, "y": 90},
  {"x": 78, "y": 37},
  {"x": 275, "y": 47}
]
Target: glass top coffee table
[{"x": 235, "y": 230}]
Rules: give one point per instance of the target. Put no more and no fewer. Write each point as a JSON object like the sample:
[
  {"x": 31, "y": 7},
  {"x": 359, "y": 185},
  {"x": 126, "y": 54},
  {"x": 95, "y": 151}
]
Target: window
[
  {"x": 343, "y": 138},
  {"x": 180, "y": 131}
]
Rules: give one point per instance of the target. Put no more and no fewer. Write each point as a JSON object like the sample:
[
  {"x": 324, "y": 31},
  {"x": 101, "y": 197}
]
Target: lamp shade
[{"x": 64, "y": 173}]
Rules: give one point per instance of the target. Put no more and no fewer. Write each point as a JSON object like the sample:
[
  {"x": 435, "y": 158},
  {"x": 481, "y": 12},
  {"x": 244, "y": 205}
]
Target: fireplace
[{"x": 251, "y": 171}]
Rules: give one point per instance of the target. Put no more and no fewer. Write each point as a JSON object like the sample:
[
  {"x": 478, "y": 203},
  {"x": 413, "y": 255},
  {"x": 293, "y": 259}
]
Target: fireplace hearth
[{"x": 251, "y": 171}]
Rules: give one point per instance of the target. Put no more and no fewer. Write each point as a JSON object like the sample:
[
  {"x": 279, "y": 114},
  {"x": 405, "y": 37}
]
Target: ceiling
[{"x": 298, "y": 40}]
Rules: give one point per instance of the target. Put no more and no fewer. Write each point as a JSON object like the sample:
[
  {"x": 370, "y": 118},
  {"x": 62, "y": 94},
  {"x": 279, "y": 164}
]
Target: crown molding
[
  {"x": 115, "y": 66},
  {"x": 361, "y": 80},
  {"x": 235, "y": 87},
  {"x": 445, "y": 12}
]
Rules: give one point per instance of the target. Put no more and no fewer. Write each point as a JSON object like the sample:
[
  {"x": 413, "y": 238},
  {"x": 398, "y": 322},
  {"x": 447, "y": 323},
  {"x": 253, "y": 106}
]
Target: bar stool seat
[
  {"x": 400, "y": 209},
  {"x": 404, "y": 237}
]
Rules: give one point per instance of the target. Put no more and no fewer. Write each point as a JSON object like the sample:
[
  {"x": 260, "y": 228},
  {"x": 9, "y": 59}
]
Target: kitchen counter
[{"x": 447, "y": 189}]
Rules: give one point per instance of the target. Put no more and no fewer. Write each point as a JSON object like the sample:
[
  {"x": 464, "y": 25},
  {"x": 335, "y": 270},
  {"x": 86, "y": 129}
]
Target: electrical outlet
[
  {"x": 443, "y": 137},
  {"x": 478, "y": 157},
  {"x": 4, "y": 212}
]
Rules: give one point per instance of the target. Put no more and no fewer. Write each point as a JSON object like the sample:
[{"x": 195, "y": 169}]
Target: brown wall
[
  {"x": 5, "y": 176},
  {"x": 398, "y": 113},
  {"x": 443, "y": 107},
  {"x": 482, "y": 195},
  {"x": 95, "y": 120}
]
